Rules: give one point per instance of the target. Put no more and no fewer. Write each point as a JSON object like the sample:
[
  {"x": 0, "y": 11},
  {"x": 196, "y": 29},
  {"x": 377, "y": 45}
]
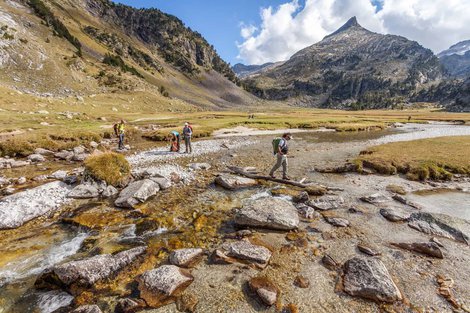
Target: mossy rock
[{"x": 113, "y": 168}]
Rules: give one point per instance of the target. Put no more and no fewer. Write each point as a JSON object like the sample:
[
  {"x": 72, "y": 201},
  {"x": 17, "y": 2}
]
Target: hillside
[
  {"x": 76, "y": 49},
  {"x": 243, "y": 71},
  {"x": 353, "y": 68}
]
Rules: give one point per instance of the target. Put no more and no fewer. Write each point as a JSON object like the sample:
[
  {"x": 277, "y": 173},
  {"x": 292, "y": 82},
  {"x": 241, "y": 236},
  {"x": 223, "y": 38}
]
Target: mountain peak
[{"x": 352, "y": 22}]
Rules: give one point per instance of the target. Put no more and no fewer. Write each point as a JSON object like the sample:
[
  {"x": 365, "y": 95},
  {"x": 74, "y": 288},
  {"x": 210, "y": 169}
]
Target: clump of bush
[
  {"x": 117, "y": 61},
  {"x": 16, "y": 148},
  {"x": 111, "y": 167}
]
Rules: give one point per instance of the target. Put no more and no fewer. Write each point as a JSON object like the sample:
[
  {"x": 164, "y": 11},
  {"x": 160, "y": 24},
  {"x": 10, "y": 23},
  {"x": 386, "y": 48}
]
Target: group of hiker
[
  {"x": 174, "y": 137},
  {"x": 280, "y": 145}
]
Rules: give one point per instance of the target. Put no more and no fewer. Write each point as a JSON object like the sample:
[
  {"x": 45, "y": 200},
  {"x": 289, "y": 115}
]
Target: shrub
[
  {"x": 117, "y": 61},
  {"x": 16, "y": 147},
  {"x": 111, "y": 167}
]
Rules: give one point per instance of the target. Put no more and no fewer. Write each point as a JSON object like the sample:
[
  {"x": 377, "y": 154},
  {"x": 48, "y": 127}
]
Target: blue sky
[
  {"x": 275, "y": 29},
  {"x": 217, "y": 20}
]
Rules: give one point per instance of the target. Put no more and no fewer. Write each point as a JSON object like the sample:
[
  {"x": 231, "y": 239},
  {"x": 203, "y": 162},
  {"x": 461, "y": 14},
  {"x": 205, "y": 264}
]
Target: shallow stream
[{"x": 195, "y": 215}]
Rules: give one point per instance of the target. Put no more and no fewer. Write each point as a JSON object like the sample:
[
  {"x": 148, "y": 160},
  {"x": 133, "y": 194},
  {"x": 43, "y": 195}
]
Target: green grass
[{"x": 435, "y": 158}]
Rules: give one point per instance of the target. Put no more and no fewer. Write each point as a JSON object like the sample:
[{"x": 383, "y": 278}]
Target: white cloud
[{"x": 435, "y": 24}]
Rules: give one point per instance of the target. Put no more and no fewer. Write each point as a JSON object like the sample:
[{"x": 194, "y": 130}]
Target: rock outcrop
[
  {"x": 136, "y": 193},
  {"x": 186, "y": 257},
  {"x": 160, "y": 286},
  {"x": 268, "y": 212},
  {"x": 233, "y": 182},
  {"x": 369, "y": 279},
  {"x": 86, "y": 272}
]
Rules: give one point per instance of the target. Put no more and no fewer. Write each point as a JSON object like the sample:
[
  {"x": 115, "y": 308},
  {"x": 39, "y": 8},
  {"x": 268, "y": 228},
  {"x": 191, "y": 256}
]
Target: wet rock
[
  {"x": 21, "y": 181},
  {"x": 162, "y": 182},
  {"x": 64, "y": 155},
  {"x": 109, "y": 192},
  {"x": 137, "y": 192},
  {"x": 395, "y": 214},
  {"x": 187, "y": 303},
  {"x": 87, "y": 309},
  {"x": 59, "y": 175},
  {"x": 329, "y": 262},
  {"x": 367, "y": 250},
  {"x": 376, "y": 198},
  {"x": 264, "y": 289},
  {"x": 160, "y": 286},
  {"x": 244, "y": 250},
  {"x": 127, "y": 305},
  {"x": 301, "y": 281},
  {"x": 36, "y": 158},
  {"x": 268, "y": 212},
  {"x": 84, "y": 191},
  {"x": 369, "y": 279},
  {"x": 233, "y": 182},
  {"x": 315, "y": 190},
  {"x": 403, "y": 200},
  {"x": 337, "y": 221},
  {"x": 86, "y": 272},
  {"x": 199, "y": 166},
  {"x": 326, "y": 203},
  {"x": 427, "y": 248},
  {"x": 307, "y": 212},
  {"x": 437, "y": 225},
  {"x": 42, "y": 151},
  {"x": 186, "y": 257},
  {"x": 301, "y": 197}
]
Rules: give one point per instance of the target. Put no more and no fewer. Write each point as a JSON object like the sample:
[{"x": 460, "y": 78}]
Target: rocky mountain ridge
[
  {"x": 352, "y": 68},
  {"x": 456, "y": 59}
]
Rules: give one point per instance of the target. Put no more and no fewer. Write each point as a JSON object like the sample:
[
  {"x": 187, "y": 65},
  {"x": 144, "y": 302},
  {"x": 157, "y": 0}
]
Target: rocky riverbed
[{"x": 246, "y": 245}]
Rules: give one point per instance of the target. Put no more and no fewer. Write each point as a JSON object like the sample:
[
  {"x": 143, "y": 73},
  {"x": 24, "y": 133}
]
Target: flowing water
[
  {"x": 184, "y": 217},
  {"x": 446, "y": 201}
]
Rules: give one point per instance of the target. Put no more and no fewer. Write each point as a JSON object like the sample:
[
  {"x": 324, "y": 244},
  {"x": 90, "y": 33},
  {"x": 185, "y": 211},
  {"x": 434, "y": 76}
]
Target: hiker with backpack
[
  {"x": 280, "y": 149},
  {"x": 119, "y": 130},
  {"x": 174, "y": 138},
  {"x": 187, "y": 134}
]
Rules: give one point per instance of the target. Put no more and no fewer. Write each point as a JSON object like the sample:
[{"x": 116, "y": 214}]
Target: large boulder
[
  {"x": 17, "y": 209},
  {"x": 233, "y": 182},
  {"x": 439, "y": 225},
  {"x": 137, "y": 192},
  {"x": 86, "y": 272},
  {"x": 369, "y": 279},
  {"x": 162, "y": 285},
  {"x": 268, "y": 212},
  {"x": 84, "y": 191},
  {"x": 186, "y": 257}
]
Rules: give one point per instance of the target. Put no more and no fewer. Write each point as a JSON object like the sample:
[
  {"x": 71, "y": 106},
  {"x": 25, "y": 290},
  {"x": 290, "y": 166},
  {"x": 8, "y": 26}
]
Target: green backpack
[{"x": 276, "y": 142}]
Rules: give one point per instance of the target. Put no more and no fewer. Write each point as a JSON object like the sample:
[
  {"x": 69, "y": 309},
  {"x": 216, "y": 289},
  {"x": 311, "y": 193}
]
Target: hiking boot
[
  {"x": 272, "y": 176},
  {"x": 286, "y": 178}
]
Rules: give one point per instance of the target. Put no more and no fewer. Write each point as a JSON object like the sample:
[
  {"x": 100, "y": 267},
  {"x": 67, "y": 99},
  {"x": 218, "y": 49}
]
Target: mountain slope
[
  {"x": 243, "y": 71},
  {"x": 351, "y": 68},
  {"x": 456, "y": 59},
  {"x": 77, "y": 48}
]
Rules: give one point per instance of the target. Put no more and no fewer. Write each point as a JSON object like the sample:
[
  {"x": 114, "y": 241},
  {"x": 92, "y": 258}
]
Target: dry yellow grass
[
  {"x": 435, "y": 158},
  {"x": 111, "y": 167}
]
